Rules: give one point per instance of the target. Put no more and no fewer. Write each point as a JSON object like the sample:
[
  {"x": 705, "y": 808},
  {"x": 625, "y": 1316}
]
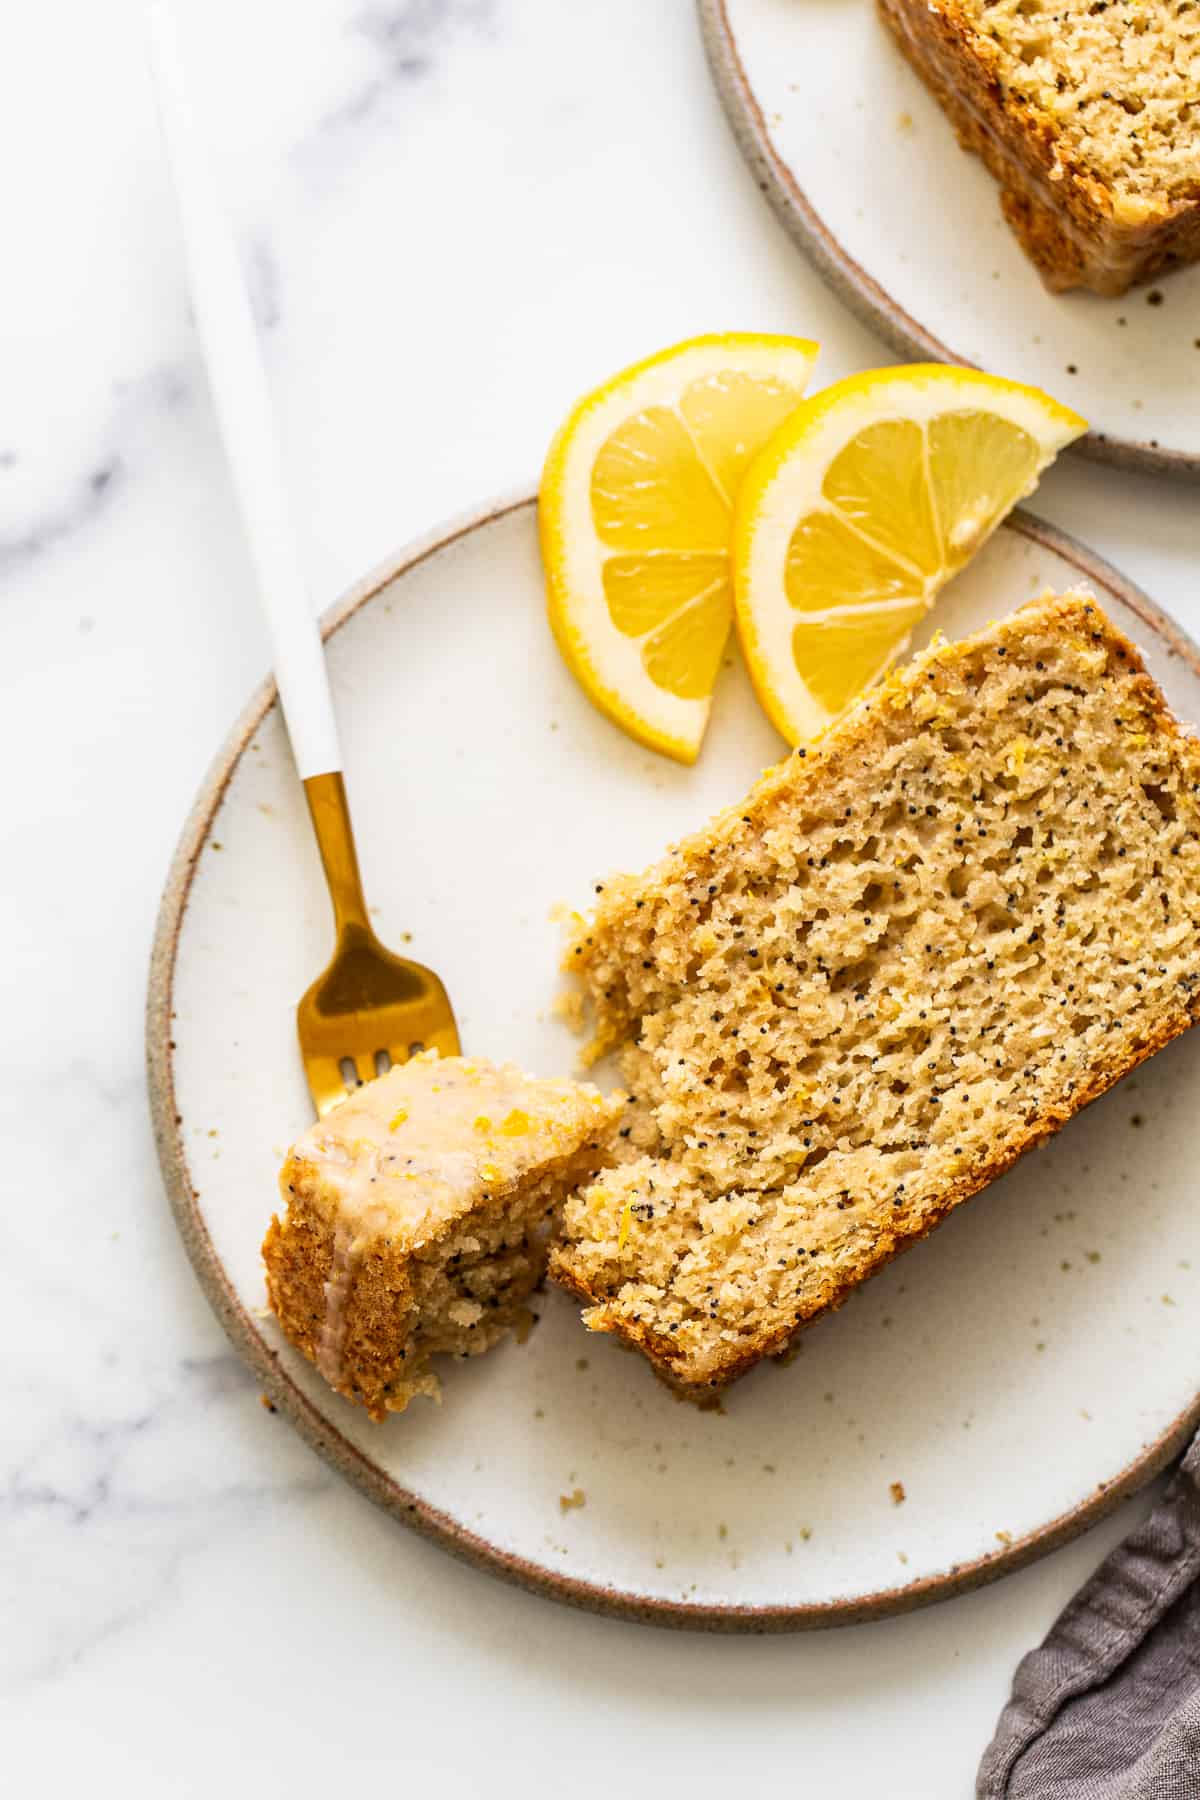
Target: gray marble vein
[
  {"x": 89, "y": 491},
  {"x": 88, "y": 497},
  {"x": 408, "y": 43},
  {"x": 123, "y": 1493},
  {"x": 263, "y": 280}
]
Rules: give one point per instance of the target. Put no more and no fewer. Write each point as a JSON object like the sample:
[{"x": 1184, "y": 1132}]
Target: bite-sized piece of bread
[
  {"x": 417, "y": 1217},
  {"x": 913, "y": 952},
  {"x": 1086, "y": 112}
]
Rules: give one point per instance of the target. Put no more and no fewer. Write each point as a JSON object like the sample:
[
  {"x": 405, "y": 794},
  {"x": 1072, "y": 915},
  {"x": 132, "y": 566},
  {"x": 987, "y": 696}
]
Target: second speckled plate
[
  {"x": 1016, "y": 1375},
  {"x": 864, "y": 170}
]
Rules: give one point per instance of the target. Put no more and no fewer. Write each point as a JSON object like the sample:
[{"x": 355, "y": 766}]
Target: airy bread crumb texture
[
  {"x": 914, "y": 951},
  {"x": 1120, "y": 78},
  {"x": 418, "y": 1215},
  {"x": 1088, "y": 114}
]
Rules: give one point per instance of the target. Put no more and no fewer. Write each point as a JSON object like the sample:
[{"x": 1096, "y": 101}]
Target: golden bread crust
[
  {"x": 698, "y": 1383},
  {"x": 1061, "y": 211}
]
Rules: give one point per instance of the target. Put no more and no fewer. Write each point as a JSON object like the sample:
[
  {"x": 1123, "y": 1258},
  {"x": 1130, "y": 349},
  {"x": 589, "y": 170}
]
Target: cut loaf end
[
  {"x": 915, "y": 951},
  {"x": 1085, "y": 113},
  {"x": 417, "y": 1218}
]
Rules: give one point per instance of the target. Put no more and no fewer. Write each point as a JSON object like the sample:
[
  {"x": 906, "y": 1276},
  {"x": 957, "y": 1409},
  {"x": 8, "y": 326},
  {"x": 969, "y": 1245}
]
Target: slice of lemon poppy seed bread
[
  {"x": 416, "y": 1218},
  {"x": 911, "y": 954},
  {"x": 1087, "y": 112}
]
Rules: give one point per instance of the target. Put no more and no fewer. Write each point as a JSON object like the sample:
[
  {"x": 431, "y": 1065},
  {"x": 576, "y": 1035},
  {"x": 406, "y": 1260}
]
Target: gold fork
[{"x": 369, "y": 1009}]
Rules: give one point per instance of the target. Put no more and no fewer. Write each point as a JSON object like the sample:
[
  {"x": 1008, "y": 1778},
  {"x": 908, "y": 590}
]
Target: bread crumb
[
  {"x": 567, "y": 1007},
  {"x": 896, "y": 1490},
  {"x": 570, "y": 1502}
]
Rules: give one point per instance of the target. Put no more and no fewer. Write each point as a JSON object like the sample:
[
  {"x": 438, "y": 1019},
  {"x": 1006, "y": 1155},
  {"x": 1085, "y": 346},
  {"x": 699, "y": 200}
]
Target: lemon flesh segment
[
  {"x": 730, "y": 415},
  {"x": 830, "y": 564},
  {"x": 684, "y": 655},
  {"x": 853, "y": 518},
  {"x": 880, "y": 483},
  {"x": 649, "y": 487},
  {"x": 643, "y": 592},
  {"x": 841, "y": 655},
  {"x": 635, "y": 514},
  {"x": 979, "y": 467}
]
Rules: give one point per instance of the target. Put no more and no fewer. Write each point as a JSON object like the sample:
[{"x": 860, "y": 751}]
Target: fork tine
[
  {"x": 369, "y": 1010},
  {"x": 326, "y": 1082},
  {"x": 443, "y": 1039},
  {"x": 431, "y": 1035}
]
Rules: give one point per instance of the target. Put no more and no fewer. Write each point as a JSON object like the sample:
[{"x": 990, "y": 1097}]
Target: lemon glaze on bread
[
  {"x": 417, "y": 1216},
  {"x": 915, "y": 950},
  {"x": 1087, "y": 112}
]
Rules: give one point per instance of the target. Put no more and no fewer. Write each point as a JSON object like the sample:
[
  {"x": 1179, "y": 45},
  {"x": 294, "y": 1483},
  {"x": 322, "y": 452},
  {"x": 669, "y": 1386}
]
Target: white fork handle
[{"x": 235, "y": 371}]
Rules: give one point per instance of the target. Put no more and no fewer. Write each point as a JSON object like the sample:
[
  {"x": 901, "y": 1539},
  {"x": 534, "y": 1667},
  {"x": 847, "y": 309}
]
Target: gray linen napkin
[{"x": 1108, "y": 1708}]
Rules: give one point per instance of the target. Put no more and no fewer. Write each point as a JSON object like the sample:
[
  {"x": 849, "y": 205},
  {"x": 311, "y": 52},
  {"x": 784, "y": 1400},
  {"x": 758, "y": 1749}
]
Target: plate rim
[
  {"x": 869, "y": 302},
  {"x": 321, "y": 1433}
]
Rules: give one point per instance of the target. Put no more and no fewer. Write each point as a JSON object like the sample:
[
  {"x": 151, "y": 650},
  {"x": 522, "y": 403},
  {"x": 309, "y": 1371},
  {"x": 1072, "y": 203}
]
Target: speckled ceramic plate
[
  {"x": 1030, "y": 1364},
  {"x": 865, "y": 172}
]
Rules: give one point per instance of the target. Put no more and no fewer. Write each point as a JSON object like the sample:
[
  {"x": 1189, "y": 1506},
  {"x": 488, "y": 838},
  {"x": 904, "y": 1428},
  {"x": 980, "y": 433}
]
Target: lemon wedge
[
  {"x": 859, "y": 510},
  {"x": 635, "y": 514}
]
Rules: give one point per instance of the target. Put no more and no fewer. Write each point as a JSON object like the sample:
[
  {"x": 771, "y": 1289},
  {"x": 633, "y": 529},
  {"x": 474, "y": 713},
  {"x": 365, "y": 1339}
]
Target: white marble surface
[{"x": 456, "y": 214}]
